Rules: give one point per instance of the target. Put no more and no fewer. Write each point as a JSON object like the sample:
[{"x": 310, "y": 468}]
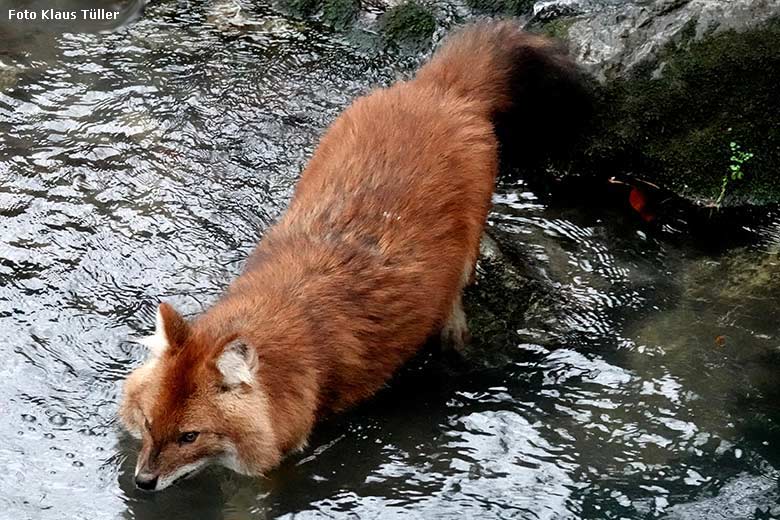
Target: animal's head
[{"x": 196, "y": 401}]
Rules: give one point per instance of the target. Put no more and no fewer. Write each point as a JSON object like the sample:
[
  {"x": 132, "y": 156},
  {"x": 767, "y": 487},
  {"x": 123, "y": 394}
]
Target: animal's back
[
  {"x": 405, "y": 174},
  {"x": 393, "y": 203}
]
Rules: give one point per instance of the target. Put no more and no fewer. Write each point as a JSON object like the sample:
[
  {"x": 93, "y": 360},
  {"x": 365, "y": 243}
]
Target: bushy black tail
[{"x": 525, "y": 83}]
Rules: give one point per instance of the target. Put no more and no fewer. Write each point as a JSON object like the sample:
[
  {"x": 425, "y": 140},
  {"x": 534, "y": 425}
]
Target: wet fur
[{"x": 367, "y": 263}]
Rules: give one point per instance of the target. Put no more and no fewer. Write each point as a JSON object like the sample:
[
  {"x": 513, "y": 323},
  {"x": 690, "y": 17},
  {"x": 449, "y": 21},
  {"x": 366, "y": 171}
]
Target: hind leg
[{"x": 455, "y": 332}]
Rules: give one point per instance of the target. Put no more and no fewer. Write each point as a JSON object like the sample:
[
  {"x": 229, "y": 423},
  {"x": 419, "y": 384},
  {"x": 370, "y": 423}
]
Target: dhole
[{"x": 368, "y": 262}]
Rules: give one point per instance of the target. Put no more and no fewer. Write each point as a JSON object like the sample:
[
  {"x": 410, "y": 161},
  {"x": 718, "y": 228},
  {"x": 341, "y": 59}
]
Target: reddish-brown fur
[{"x": 367, "y": 262}]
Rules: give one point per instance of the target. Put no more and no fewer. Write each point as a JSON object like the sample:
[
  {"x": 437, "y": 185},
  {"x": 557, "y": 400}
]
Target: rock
[
  {"x": 613, "y": 40},
  {"x": 227, "y": 15},
  {"x": 300, "y": 8},
  {"x": 688, "y": 94},
  {"x": 340, "y": 13},
  {"x": 501, "y": 7},
  {"x": 682, "y": 84},
  {"x": 8, "y": 76},
  {"x": 546, "y": 11},
  {"x": 745, "y": 496},
  {"x": 508, "y": 295},
  {"x": 410, "y": 23},
  {"x": 742, "y": 275}
]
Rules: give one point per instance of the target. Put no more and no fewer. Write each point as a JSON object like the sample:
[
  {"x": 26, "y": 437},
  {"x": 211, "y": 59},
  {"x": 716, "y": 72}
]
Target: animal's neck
[
  {"x": 291, "y": 304},
  {"x": 259, "y": 310}
]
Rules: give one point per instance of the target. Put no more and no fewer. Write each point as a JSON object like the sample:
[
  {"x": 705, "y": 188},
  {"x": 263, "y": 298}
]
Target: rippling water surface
[{"x": 143, "y": 164}]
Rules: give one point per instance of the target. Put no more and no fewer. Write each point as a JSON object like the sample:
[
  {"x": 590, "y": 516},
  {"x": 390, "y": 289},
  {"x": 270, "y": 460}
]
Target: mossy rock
[
  {"x": 672, "y": 122},
  {"x": 506, "y": 7},
  {"x": 300, "y": 8},
  {"x": 557, "y": 28},
  {"x": 8, "y": 77},
  {"x": 340, "y": 13},
  {"x": 410, "y": 23},
  {"x": 508, "y": 295}
]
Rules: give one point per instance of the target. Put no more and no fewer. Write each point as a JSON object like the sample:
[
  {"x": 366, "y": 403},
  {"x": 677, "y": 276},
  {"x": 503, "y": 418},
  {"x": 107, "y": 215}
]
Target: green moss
[
  {"x": 300, "y": 8},
  {"x": 557, "y": 28},
  {"x": 410, "y": 23},
  {"x": 340, "y": 13},
  {"x": 507, "y": 7},
  {"x": 674, "y": 128}
]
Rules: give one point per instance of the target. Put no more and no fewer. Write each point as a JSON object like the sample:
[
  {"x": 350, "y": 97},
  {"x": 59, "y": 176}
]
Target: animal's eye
[
  {"x": 188, "y": 437},
  {"x": 147, "y": 425}
]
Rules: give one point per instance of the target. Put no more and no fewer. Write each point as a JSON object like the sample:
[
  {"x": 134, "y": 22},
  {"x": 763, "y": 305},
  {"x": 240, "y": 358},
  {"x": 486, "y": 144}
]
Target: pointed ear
[
  {"x": 170, "y": 329},
  {"x": 237, "y": 364}
]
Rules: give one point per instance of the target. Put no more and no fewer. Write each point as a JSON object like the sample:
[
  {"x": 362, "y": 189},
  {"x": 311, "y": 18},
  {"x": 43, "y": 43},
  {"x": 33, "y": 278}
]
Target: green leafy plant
[{"x": 737, "y": 160}]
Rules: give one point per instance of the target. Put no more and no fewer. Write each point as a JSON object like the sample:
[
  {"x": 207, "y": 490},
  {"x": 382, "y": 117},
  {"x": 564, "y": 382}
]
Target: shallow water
[{"x": 143, "y": 164}]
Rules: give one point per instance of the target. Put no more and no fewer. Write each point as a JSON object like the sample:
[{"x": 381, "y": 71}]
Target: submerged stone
[
  {"x": 8, "y": 76},
  {"x": 300, "y": 8},
  {"x": 507, "y": 295},
  {"x": 410, "y": 23},
  {"x": 340, "y": 13}
]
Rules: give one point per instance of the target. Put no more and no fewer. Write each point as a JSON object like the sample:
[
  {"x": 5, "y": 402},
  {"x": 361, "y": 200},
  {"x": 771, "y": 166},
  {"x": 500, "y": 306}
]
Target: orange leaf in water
[
  {"x": 720, "y": 341},
  {"x": 638, "y": 201}
]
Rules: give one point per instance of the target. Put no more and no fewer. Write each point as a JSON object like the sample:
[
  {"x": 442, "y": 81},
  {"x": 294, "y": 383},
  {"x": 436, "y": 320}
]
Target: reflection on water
[{"x": 143, "y": 164}]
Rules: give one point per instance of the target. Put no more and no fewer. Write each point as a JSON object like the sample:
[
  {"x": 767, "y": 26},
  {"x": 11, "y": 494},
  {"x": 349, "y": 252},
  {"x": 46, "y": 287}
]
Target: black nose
[{"x": 146, "y": 484}]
